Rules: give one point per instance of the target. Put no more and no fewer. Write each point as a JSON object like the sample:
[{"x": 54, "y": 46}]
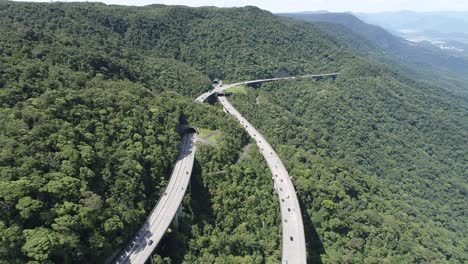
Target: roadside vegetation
[
  {"x": 237, "y": 89},
  {"x": 91, "y": 98},
  {"x": 359, "y": 149}
]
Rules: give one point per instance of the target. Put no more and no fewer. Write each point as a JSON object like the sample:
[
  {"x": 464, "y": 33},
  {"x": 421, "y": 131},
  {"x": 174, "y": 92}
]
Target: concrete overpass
[
  {"x": 313, "y": 76},
  {"x": 293, "y": 242},
  {"x": 168, "y": 207},
  {"x": 204, "y": 97}
]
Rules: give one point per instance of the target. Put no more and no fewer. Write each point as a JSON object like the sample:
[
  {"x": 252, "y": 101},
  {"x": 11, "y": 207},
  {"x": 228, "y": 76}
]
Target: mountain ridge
[
  {"x": 92, "y": 98},
  {"x": 424, "y": 58}
]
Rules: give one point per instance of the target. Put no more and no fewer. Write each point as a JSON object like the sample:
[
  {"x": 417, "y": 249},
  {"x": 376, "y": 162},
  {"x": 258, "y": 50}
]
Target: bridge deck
[
  {"x": 139, "y": 249},
  {"x": 293, "y": 246},
  {"x": 202, "y": 98},
  {"x": 145, "y": 241}
]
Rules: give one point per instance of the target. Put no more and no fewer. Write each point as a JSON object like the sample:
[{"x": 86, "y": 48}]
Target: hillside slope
[
  {"x": 379, "y": 164},
  {"x": 92, "y": 96}
]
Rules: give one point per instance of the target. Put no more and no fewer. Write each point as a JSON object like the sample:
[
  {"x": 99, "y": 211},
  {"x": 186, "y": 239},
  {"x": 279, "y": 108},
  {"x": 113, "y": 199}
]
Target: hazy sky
[{"x": 311, "y": 5}]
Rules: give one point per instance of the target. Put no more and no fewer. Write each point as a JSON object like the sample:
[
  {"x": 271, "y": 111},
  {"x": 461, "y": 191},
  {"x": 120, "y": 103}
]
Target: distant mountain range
[
  {"x": 397, "y": 46},
  {"x": 423, "y": 56},
  {"x": 447, "y": 30},
  {"x": 443, "y": 22},
  {"x": 94, "y": 97}
]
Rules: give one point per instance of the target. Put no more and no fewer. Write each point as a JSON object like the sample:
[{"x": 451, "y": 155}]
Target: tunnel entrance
[
  {"x": 190, "y": 130},
  {"x": 186, "y": 129}
]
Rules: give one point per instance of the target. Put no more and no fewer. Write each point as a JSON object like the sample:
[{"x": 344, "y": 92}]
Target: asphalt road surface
[
  {"x": 293, "y": 245},
  {"x": 220, "y": 88},
  {"x": 145, "y": 241}
]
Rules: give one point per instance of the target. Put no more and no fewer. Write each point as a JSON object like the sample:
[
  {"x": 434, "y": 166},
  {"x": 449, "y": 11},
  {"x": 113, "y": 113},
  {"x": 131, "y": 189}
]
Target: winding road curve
[
  {"x": 202, "y": 98},
  {"x": 294, "y": 245},
  {"x": 293, "y": 242},
  {"x": 145, "y": 241},
  {"x": 139, "y": 249}
]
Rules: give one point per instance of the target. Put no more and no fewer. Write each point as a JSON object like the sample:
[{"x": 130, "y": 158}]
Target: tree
[
  {"x": 29, "y": 207},
  {"x": 40, "y": 244}
]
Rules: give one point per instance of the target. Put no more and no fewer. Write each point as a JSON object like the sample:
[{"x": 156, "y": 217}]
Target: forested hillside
[
  {"x": 379, "y": 163},
  {"x": 92, "y": 97},
  {"x": 234, "y": 43},
  {"x": 88, "y": 132}
]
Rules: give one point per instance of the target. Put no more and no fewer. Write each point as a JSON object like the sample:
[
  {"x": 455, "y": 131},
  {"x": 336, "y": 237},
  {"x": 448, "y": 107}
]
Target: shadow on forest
[
  {"x": 200, "y": 201},
  {"x": 314, "y": 244}
]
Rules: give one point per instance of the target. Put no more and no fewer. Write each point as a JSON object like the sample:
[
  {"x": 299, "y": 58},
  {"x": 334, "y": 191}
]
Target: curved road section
[
  {"x": 294, "y": 246},
  {"x": 202, "y": 98},
  {"x": 145, "y": 241}
]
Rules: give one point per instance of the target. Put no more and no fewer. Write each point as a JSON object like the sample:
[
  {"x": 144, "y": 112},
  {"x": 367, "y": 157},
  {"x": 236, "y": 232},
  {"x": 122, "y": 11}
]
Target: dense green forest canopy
[
  {"x": 379, "y": 165},
  {"x": 92, "y": 97},
  {"x": 233, "y": 43}
]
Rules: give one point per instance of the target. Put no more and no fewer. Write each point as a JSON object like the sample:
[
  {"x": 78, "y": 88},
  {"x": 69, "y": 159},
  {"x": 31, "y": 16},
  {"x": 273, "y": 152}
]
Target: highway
[
  {"x": 145, "y": 241},
  {"x": 139, "y": 249},
  {"x": 219, "y": 88},
  {"x": 293, "y": 245}
]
